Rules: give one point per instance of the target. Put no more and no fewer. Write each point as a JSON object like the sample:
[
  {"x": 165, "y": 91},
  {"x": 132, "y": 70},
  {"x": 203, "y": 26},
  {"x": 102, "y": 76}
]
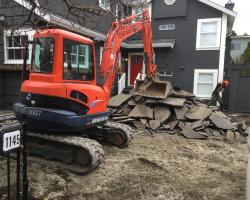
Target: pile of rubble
[{"x": 179, "y": 113}]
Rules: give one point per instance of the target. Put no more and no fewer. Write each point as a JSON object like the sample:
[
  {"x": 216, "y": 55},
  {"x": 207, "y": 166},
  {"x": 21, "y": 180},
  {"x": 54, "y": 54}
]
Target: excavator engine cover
[{"x": 153, "y": 88}]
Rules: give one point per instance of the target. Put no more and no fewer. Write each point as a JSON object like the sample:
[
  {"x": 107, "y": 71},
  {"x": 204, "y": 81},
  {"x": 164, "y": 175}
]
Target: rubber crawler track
[{"x": 94, "y": 149}]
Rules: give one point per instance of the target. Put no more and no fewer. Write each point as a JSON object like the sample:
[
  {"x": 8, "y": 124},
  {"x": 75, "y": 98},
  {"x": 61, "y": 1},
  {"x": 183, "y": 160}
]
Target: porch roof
[{"x": 158, "y": 43}]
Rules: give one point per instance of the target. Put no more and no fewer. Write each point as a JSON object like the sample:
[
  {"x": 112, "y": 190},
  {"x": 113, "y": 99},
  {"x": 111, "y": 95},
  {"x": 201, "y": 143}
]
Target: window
[
  {"x": 78, "y": 61},
  {"x": 105, "y": 4},
  {"x": 14, "y": 46},
  {"x": 208, "y": 34},
  {"x": 204, "y": 82},
  {"x": 42, "y": 55},
  {"x": 236, "y": 46}
]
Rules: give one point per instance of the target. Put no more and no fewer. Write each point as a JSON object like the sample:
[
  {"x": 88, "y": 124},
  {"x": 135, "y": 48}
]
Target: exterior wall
[
  {"x": 235, "y": 54},
  {"x": 1, "y": 91},
  {"x": 184, "y": 58},
  {"x": 99, "y": 23}
]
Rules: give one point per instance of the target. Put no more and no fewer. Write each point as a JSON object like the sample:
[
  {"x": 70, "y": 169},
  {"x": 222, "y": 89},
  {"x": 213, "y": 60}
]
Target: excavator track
[
  {"x": 118, "y": 134},
  {"x": 84, "y": 154}
]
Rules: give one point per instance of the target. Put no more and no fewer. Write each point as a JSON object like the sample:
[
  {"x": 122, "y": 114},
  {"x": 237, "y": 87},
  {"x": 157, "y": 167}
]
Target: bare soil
[{"x": 152, "y": 168}]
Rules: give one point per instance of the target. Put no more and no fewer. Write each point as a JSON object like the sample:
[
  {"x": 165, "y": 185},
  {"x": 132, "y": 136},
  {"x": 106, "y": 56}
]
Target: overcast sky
[{"x": 242, "y": 22}]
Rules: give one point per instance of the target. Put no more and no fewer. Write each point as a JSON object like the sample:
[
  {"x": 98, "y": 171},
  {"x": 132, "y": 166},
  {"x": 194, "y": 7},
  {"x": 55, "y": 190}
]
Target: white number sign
[{"x": 11, "y": 140}]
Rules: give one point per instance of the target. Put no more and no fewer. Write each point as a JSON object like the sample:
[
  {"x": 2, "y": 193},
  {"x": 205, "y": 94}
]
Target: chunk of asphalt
[
  {"x": 131, "y": 102},
  {"x": 173, "y": 101},
  {"x": 138, "y": 125},
  {"x": 119, "y": 118},
  {"x": 198, "y": 113},
  {"x": 197, "y": 124},
  {"x": 126, "y": 120},
  {"x": 166, "y": 126},
  {"x": 151, "y": 101},
  {"x": 173, "y": 124},
  {"x": 239, "y": 138},
  {"x": 230, "y": 136},
  {"x": 188, "y": 132},
  {"x": 143, "y": 121},
  {"x": 181, "y": 93},
  {"x": 220, "y": 122},
  {"x": 141, "y": 111},
  {"x": 138, "y": 98},
  {"x": 154, "y": 124},
  {"x": 118, "y": 100},
  {"x": 162, "y": 113},
  {"x": 180, "y": 112}
]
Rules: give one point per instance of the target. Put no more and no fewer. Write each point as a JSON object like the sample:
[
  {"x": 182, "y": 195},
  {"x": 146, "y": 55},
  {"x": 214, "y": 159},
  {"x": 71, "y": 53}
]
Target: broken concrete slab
[
  {"x": 197, "y": 124},
  {"x": 189, "y": 133},
  {"x": 143, "y": 121},
  {"x": 198, "y": 113},
  {"x": 239, "y": 138},
  {"x": 180, "y": 112},
  {"x": 166, "y": 126},
  {"x": 162, "y": 113},
  {"x": 150, "y": 101},
  {"x": 181, "y": 93},
  {"x": 141, "y": 111},
  {"x": 131, "y": 103},
  {"x": 173, "y": 101},
  {"x": 138, "y": 98},
  {"x": 126, "y": 120},
  {"x": 220, "y": 122},
  {"x": 118, "y": 100},
  {"x": 154, "y": 124},
  {"x": 173, "y": 124},
  {"x": 230, "y": 136},
  {"x": 119, "y": 118},
  {"x": 138, "y": 125}
]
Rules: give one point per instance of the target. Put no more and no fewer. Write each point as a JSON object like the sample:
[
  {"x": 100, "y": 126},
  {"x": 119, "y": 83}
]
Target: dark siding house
[
  {"x": 192, "y": 36},
  {"x": 189, "y": 39}
]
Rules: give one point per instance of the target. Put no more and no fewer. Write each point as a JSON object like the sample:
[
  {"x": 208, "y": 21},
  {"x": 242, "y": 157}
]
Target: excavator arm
[{"x": 120, "y": 31}]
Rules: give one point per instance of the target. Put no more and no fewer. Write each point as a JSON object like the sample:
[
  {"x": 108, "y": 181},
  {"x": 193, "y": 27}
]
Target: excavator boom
[{"x": 120, "y": 31}]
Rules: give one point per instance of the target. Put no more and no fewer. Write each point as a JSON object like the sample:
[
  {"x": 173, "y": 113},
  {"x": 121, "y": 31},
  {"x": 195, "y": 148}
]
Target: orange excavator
[{"x": 64, "y": 109}]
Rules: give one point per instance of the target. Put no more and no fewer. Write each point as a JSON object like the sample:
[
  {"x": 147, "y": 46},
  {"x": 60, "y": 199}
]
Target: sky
[{"x": 242, "y": 22}]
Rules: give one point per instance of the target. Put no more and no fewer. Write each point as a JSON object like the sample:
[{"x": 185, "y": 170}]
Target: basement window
[
  {"x": 205, "y": 81},
  {"x": 208, "y": 34},
  {"x": 14, "y": 46}
]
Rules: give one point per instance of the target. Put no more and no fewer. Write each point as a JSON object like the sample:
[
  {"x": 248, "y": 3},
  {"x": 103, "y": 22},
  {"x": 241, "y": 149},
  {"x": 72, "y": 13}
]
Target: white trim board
[
  {"x": 222, "y": 47},
  {"x": 129, "y": 59},
  {"x": 219, "y": 7}
]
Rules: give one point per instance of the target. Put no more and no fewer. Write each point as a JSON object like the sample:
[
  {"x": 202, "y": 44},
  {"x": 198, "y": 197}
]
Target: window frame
[
  {"x": 92, "y": 57},
  {"x": 103, "y": 6},
  {"x": 196, "y": 76},
  {"x": 218, "y": 36},
  {"x": 20, "y": 32}
]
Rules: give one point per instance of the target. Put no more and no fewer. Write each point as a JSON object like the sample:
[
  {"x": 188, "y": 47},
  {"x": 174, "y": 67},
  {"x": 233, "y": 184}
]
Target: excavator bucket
[{"x": 153, "y": 88}]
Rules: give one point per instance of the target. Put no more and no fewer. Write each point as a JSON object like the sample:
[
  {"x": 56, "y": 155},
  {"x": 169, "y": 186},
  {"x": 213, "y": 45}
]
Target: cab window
[
  {"x": 77, "y": 61},
  {"x": 42, "y": 55}
]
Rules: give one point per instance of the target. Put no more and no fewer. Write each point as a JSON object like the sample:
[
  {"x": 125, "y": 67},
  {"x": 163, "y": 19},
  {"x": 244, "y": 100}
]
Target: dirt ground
[{"x": 153, "y": 167}]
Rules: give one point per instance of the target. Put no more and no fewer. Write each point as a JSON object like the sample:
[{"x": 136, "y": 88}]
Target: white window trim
[
  {"x": 27, "y": 32},
  {"x": 205, "y": 71},
  {"x": 104, "y": 6},
  {"x": 198, "y": 35}
]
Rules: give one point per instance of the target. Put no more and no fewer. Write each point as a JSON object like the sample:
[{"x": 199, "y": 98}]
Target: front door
[{"x": 136, "y": 66}]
